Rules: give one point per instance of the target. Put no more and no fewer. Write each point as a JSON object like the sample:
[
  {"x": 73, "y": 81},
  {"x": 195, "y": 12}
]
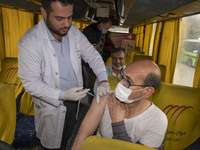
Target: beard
[
  {"x": 54, "y": 30},
  {"x": 117, "y": 68}
]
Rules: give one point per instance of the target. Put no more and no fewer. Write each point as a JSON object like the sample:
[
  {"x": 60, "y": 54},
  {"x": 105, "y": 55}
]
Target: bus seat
[
  {"x": 109, "y": 61},
  {"x": 100, "y": 143},
  {"x": 163, "y": 72},
  {"x": 129, "y": 57},
  {"x": 137, "y": 49},
  {"x": 140, "y": 52},
  {"x": 113, "y": 81},
  {"x": 9, "y": 75},
  {"x": 7, "y": 113},
  {"x": 142, "y": 57},
  {"x": 27, "y": 104},
  {"x": 181, "y": 104}
]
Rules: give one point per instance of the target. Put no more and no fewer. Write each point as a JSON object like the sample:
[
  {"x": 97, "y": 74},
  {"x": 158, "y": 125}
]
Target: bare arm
[{"x": 90, "y": 122}]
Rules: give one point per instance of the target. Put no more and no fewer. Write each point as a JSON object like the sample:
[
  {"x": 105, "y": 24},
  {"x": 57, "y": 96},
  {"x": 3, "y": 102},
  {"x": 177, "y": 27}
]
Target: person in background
[
  {"x": 117, "y": 66},
  {"x": 49, "y": 62},
  {"x": 118, "y": 61},
  {"x": 95, "y": 34},
  {"x": 108, "y": 46},
  {"x": 127, "y": 114}
]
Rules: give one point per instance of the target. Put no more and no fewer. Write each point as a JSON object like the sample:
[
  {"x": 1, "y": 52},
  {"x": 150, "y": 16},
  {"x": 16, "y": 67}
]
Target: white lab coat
[{"x": 39, "y": 73}]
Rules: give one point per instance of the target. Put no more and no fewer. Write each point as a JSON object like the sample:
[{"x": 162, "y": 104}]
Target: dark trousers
[
  {"x": 70, "y": 121},
  {"x": 89, "y": 79}
]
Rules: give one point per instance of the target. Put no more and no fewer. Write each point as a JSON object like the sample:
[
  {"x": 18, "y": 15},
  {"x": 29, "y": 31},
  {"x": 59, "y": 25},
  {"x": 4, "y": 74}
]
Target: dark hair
[
  {"x": 103, "y": 20},
  {"x": 153, "y": 80},
  {"x": 46, "y": 4},
  {"x": 115, "y": 50}
]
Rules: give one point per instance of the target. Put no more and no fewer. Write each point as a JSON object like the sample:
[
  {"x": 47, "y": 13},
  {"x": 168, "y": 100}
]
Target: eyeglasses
[{"x": 127, "y": 83}]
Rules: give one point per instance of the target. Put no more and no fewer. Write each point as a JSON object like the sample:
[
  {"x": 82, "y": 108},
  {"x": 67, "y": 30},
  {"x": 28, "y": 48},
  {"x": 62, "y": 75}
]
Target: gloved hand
[
  {"x": 102, "y": 90},
  {"x": 75, "y": 93}
]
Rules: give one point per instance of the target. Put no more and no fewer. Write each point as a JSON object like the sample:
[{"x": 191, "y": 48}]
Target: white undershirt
[{"x": 148, "y": 128}]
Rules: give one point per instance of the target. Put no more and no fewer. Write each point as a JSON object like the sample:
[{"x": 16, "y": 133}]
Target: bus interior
[{"x": 166, "y": 32}]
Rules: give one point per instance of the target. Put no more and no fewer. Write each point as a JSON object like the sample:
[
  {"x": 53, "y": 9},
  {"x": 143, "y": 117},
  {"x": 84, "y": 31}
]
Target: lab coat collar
[{"x": 42, "y": 32}]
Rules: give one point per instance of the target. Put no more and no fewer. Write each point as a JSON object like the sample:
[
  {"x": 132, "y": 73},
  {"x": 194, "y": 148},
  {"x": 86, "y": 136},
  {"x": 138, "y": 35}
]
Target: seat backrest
[
  {"x": 142, "y": 57},
  {"x": 7, "y": 113},
  {"x": 129, "y": 57},
  {"x": 109, "y": 61},
  {"x": 163, "y": 72},
  {"x": 27, "y": 104},
  {"x": 100, "y": 143},
  {"x": 181, "y": 104},
  {"x": 113, "y": 81},
  {"x": 9, "y": 75},
  {"x": 137, "y": 48}
]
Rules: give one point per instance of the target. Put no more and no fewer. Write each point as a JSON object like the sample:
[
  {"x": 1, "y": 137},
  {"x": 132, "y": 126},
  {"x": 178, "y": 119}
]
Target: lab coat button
[
  {"x": 54, "y": 55},
  {"x": 56, "y": 73}
]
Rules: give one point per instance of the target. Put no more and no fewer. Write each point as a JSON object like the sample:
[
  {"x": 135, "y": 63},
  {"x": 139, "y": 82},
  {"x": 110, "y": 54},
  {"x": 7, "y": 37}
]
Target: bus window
[
  {"x": 189, "y": 49},
  {"x": 191, "y": 52}
]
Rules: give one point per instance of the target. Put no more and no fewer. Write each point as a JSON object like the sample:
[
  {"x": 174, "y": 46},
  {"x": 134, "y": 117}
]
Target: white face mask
[{"x": 122, "y": 93}]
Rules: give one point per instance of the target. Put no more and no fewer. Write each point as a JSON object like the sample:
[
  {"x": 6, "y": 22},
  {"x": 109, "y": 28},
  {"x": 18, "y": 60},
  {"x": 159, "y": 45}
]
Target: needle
[{"x": 90, "y": 94}]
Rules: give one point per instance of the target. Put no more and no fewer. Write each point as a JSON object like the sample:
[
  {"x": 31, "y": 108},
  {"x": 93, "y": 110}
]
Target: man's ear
[
  {"x": 44, "y": 13},
  {"x": 148, "y": 92}
]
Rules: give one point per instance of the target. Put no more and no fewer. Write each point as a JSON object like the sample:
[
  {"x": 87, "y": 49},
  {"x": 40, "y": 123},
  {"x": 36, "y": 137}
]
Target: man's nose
[
  {"x": 66, "y": 23},
  {"x": 118, "y": 60}
]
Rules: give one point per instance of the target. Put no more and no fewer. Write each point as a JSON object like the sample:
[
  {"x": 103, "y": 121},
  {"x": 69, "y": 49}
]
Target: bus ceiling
[{"x": 125, "y": 13}]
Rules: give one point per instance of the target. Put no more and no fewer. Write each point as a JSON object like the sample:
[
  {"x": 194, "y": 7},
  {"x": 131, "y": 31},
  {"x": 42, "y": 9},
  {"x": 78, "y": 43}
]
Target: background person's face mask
[
  {"x": 104, "y": 31},
  {"x": 122, "y": 93}
]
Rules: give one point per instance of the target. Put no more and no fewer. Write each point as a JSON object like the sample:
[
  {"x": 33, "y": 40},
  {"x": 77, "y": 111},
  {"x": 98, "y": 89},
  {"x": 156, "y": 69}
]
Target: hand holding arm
[
  {"x": 117, "y": 112},
  {"x": 117, "y": 109}
]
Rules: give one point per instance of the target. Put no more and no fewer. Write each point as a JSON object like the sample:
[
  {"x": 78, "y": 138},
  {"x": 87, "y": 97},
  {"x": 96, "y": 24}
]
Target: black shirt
[{"x": 92, "y": 33}]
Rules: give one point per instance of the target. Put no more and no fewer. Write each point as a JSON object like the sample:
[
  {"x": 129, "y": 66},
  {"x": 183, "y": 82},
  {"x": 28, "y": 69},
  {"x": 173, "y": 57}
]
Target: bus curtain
[
  {"x": 135, "y": 30},
  {"x": 147, "y": 39},
  {"x": 168, "y": 49},
  {"x": 15, "y": 24},
  {"x": 144, "y": 40},
  {"x": 196, "y": 82},
  {"x": 139, "y": 37},
  {"x": 2, "y": 47},
  {"x": 156, "y": 42}
]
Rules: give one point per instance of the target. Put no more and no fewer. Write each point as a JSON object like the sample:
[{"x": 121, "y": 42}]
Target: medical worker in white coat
[{"x": 49, "y": 62}]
